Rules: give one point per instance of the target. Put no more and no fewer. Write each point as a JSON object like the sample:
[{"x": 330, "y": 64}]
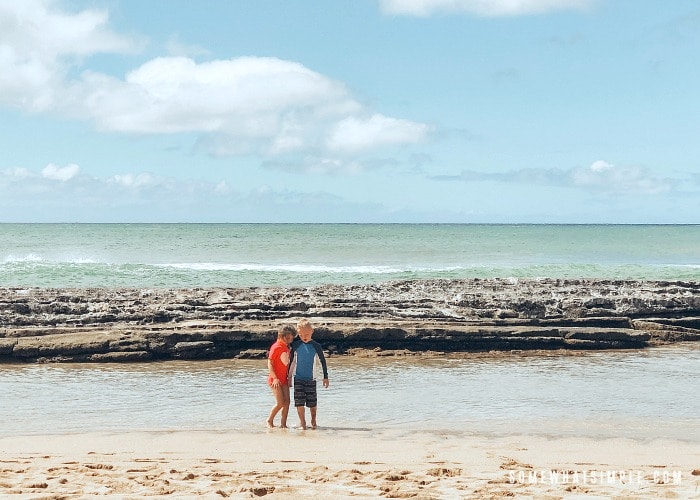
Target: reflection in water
[{"x": 649, "y": 393}]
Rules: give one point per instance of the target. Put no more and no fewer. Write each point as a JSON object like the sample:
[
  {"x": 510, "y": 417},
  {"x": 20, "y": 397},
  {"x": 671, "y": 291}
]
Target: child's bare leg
[
  {"x": 312, "y": 410},
  {"x": 271, "y": 419},
  {"x": 285, "y": 408},
  {"x": 279, "y": 400},
  {"x": 283, "y": 420},
  {"x": 302, "y": 416}
]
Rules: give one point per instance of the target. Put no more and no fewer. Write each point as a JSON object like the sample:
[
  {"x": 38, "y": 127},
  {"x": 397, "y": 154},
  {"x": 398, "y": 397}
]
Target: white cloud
[
  {"x": 15, "y": 173},
  {"x": 479, "y": 7},
  {"x": 242, "y": 105},
  {"x": 223, "y": 188},
  {"x": 18, "y": 182},
  {"x": 601, "y": 166},
  {"x": 38, "y": 44},
  {"x": 606, "y": 177},
  {"x": 247, "y": 96},
  {"x": 132, "y": 181},
  {"x": 357, "y": 133},
  {"x": 257, "y": 104},
  {"x": 63, "y": 174},
  {"x": 330, "y": 165}
]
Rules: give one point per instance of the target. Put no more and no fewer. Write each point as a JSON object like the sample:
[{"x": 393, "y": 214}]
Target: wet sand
[{"x": 344, "y": 463}]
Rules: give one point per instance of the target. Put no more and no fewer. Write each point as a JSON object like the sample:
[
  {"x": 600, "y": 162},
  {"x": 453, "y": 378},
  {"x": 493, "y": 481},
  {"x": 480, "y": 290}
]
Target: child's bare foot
[
  {"x": 313, "y": 425},
  {"x": 269, "y": 423}
]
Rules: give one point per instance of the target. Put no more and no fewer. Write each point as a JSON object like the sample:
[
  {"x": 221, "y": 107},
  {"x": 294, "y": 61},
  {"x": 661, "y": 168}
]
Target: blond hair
[{"x": 303, "y": 323}]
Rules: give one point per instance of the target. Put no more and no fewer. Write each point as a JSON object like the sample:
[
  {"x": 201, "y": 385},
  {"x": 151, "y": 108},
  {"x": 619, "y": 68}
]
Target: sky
[{"x": 377, "y": 111}]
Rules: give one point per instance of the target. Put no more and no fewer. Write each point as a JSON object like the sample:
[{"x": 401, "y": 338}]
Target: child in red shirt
[{"x": 277, "y": 364}]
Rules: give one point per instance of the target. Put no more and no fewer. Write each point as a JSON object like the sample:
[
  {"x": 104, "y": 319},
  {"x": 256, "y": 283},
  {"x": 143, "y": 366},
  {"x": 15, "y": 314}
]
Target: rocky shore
[{"x": 99, "y": 325}]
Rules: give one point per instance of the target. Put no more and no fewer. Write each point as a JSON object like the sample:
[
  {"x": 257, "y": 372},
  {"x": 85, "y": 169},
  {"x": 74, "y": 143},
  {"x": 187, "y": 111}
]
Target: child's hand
[{"x": 325, "y": 382}]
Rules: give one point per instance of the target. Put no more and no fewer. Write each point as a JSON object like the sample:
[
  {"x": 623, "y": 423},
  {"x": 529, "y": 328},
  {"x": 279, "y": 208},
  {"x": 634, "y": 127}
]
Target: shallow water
[{"x": 644, "y": 394}]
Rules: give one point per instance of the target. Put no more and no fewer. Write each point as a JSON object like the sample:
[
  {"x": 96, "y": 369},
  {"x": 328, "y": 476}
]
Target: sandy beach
[{"x": 344, "y": 463}]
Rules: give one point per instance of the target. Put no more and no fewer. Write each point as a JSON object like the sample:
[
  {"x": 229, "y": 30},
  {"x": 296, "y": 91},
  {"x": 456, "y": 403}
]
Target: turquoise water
[{"x": 204, "y": 255}]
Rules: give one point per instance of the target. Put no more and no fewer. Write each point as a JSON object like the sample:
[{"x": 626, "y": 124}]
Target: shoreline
[
  {"x": 393, "y": 318},
  {"x": 345, "y": 464}
]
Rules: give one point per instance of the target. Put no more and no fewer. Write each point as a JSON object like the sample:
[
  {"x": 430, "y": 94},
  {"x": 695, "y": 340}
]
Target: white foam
[
  {"x": 33, "y": 258},
  {"x": 83, "y": 260},
  {"x": 302, "y": 268},
  {"x": 11, "y": 259}
]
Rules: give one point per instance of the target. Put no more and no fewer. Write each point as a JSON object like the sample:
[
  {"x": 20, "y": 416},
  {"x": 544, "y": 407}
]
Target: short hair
[
  {"x": 303, "y": 323},
  {"x": 286, "y": 330}
]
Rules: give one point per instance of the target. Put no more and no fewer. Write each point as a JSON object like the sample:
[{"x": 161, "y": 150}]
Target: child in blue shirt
[{"x": 304, "y": 359}]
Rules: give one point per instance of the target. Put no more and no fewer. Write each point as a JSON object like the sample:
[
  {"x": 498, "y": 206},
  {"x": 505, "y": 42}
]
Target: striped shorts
[{"x": 305, "y": 393}]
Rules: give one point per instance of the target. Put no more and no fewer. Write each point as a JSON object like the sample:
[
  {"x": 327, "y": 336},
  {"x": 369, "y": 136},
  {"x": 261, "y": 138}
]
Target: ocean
[
  {"x": 245, "y": 255},
  {"x": 645, "y": 394}
]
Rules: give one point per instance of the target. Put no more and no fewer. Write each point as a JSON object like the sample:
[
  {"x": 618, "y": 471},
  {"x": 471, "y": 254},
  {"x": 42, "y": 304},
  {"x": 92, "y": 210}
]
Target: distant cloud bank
[{"x": 600, "y": 176}]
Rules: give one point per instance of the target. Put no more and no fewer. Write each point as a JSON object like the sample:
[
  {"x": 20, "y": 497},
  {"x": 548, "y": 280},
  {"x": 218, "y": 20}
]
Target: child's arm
[
  {"x": 275, "y": 380},
  {"x": 292, "y": 366},
  {"x": 322, "y": 358}
]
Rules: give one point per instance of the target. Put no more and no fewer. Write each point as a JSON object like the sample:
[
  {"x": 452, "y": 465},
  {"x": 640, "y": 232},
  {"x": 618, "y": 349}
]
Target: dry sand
[{"x": 344, "y": 463}]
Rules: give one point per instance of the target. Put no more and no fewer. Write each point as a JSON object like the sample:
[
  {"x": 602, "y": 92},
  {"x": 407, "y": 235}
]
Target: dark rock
[
  {"x": 6, "y": 346},
  {"x": 478, "y": 315},
  {"x": 620, "y": 334},
  {"x": 121, "y": 357},
  {"x": 181, "y": 347},
  {"x": 252, "y": 354}
]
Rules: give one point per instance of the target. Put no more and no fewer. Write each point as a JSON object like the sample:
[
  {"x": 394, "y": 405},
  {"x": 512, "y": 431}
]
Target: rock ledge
[{"x": 396, "y": 318}]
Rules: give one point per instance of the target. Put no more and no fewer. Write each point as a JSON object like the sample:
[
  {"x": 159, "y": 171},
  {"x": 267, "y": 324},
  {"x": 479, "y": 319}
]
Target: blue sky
[{"x": 468, "y": 111}]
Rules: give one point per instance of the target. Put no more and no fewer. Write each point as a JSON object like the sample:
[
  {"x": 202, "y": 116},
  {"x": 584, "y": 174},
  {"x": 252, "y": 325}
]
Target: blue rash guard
[{"x": 304, "y": 359}]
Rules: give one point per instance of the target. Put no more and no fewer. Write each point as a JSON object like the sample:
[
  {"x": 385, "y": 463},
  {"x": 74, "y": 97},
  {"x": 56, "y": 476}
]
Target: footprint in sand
[
  {"x": 444, "y": 472},
  {"x": 99, "y": 466},
  {"x": 511, "y": 463},
  {"x": 261, "y": 491}
]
